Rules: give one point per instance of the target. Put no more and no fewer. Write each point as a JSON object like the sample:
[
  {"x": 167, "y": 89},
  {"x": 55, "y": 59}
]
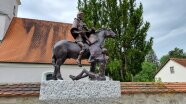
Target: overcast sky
[{"x": 167, "y": 19}]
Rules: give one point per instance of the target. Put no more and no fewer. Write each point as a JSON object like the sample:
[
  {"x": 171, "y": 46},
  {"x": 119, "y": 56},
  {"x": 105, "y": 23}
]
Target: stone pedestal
[{"x": 79, "y": 92}]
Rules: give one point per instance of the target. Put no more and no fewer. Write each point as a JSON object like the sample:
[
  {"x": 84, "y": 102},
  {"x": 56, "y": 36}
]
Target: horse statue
[{"x": 64, "y": 49}]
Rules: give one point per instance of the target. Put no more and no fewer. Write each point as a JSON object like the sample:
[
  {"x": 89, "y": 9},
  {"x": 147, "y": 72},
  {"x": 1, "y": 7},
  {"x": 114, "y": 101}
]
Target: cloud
[
  {"x": 168, "y": 23},
  {"x": 174, "y": 33},
  {"x": 167, "y": 18},
  {"x": 52, "y": 10}
]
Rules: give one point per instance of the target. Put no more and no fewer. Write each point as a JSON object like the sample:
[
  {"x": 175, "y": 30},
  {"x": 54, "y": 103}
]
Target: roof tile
[
  {"x": 31, "y": 41},
  {"x": 181, "y": 61},
  {"x": 21, "y": 89},
  {"x": 152, "y": 87},
  {"x": 33, "y": 89}
]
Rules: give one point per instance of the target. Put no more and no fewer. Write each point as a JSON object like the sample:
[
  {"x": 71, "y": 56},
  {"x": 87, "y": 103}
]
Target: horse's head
[
  {"x": 109, "y": 33},
  {"x": 105, "y": 33}
]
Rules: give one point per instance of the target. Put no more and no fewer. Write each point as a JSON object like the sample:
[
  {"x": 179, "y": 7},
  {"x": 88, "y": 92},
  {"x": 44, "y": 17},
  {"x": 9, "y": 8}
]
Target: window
[
  {"x": 14, "y": 11},
  {"x": 172, "y": 69}
]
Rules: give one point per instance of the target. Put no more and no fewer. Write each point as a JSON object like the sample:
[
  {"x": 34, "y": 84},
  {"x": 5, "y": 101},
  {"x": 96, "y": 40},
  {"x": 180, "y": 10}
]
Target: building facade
[
  {"x": 174, "y": 70},
  {"x": 26, "y": 46},
  {"x": 8, "y": 9}
]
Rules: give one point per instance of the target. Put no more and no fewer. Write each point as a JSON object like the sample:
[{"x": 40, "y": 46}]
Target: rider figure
[{"x": 79, "y": 31}]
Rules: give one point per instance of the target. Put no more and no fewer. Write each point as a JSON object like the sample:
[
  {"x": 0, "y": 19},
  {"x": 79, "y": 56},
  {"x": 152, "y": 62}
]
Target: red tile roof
[
  {"x": 152, "y": 87},
  {"x": 21, "y": 89},
  {"x": 181, "y": 61},
  {"x": 33, "y": 89},
  {"x": 31, "y": 41}
]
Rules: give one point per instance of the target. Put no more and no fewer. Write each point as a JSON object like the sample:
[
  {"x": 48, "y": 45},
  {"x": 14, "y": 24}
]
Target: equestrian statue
[{"x": 88, "y": 45}]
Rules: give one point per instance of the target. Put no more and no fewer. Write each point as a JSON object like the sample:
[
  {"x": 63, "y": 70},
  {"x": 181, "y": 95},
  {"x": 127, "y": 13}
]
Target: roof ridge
[
  {"x": 42, "y": 20},
  {"x": 181, "y": 61},
  {"x": 178, "y": 58}
]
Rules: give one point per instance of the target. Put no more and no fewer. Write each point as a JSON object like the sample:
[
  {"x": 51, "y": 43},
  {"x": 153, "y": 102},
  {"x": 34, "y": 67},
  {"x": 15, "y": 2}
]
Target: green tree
[
  {"x": 147, "y": 74},
  {"x": 164, "y": 58},
  {"x": 152, "y": 58},
  {"x": 128, "y": 50},
  {"x": 149, "y": 68},
  {"x": 175, "y": 53}
]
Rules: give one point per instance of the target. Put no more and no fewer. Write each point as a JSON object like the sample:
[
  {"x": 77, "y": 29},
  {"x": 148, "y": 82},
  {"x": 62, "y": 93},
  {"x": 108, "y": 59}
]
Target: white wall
[
  {"x": 7, "y": 7},
  {"x": 6, "y": 14},
  {"x": 13, "y": 73},
  {"x": 179, "y": 74},
  {"x": 4, "y": 24}
]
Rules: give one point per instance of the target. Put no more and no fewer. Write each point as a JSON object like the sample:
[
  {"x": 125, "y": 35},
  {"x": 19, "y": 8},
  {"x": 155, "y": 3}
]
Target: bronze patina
[{"x": 88, "y": 45}]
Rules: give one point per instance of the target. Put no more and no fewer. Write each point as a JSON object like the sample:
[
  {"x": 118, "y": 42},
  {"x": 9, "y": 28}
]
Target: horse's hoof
[
  {"x": 72, "y": 77},
  {"x": 59, "y": 78},
  {"x": 54, "y": 79},
  {"x": 78, "y": 63}
]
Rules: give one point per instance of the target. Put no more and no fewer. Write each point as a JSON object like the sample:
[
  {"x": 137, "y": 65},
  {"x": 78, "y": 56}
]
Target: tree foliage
[
  {"x": 147, "y": 74},
  {"x": 175, "y": 53},
  {"x": 163, "y": 59},
  {"x": 149, "y": 68},
  {"x": 152, "y": 58},
  {"x": 128, "y": 50}
]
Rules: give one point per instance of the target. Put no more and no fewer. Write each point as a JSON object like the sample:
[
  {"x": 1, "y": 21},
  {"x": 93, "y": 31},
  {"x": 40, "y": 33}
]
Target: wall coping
[{"x": 33, "y": 89}]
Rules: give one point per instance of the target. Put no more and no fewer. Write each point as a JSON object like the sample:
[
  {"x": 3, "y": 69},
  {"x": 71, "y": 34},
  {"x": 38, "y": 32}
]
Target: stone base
[{"x": 79, "y": 92}]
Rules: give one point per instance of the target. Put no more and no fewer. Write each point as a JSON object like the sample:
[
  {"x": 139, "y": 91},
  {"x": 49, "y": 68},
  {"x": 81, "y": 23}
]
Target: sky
[{"x": 167, "y": 19}]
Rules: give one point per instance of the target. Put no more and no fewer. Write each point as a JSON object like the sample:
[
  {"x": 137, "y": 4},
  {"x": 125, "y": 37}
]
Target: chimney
[{"x": 8, "y": 9}]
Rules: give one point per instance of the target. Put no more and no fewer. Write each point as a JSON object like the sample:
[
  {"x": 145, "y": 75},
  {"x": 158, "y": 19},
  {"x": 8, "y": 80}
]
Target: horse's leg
[
  {"x": 55, "y": 71},
  {"x": 54, "y": 74},
  {"x": 59, "y": 62},
  {"x": 93, "y": 67}
]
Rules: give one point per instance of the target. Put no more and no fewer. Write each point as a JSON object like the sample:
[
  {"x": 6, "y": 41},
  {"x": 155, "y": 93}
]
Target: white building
[
  {"x": 26, "y": 46},
  {"x": 8, "y": 9},
  {"x": 174, "y": 70}
]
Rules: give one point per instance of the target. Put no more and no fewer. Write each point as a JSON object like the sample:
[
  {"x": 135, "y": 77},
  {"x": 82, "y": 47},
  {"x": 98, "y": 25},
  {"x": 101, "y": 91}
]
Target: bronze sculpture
[
  {"x": 66, "y": 49},
  {"x": 99, "y": 54},
  {"x": 88, "y": 45},
  {"x": 80, "y": 32}
]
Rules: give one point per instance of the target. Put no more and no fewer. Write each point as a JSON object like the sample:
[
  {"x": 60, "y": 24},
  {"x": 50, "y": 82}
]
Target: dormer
[{"x": 8, "y": 10}]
